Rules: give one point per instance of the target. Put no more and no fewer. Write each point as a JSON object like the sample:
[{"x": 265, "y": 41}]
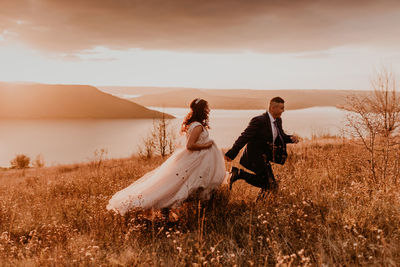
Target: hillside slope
[
  {"x": 44, "y": 101},
  {"x": 246, "y": 99}
]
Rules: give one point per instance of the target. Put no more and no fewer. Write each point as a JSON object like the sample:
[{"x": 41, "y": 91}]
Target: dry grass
[{"x": 326, "y": 212}]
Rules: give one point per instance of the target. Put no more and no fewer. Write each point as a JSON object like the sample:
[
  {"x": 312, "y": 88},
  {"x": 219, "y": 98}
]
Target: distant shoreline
[{"x": 159, "y": 108}]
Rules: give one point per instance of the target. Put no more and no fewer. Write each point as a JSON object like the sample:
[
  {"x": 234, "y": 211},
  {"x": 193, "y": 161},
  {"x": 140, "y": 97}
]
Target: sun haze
[{"x": 313, "y": 44}]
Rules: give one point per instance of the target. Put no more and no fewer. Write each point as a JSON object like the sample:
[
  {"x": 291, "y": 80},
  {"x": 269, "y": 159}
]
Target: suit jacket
[{"x": 260, "y": 148}]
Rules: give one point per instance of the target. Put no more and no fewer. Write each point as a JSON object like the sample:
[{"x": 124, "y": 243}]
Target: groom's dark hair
[{"x": 277, "y": 99}]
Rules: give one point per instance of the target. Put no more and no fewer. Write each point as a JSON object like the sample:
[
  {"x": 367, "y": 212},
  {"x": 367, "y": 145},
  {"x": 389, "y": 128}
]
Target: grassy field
[{"x": 327, "y": 212}]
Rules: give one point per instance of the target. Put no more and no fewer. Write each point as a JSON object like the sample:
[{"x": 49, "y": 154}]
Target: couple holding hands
[{"x": 199, "y": 167}]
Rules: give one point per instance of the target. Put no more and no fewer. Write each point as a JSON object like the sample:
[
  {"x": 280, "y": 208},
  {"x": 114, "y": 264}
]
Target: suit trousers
[{"x": 263, "y": 178}]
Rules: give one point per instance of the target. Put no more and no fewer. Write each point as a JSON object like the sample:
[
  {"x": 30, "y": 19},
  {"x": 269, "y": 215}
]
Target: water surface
[{"x": 74, "y": 141}]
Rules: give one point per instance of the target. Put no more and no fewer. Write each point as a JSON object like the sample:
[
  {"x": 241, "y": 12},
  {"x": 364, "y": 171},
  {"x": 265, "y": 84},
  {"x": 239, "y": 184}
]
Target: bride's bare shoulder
[{"x": 194, "y": 125}]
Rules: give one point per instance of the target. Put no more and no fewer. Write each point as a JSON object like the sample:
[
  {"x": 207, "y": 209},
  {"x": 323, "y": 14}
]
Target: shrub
[
  {"x": 99, "y": 156},
  {"x": 20, "y": 162},
  {"x": 161, "y": 140},
  {"x": 374, "y": 119},
  {"x": 39, "y": 161}
]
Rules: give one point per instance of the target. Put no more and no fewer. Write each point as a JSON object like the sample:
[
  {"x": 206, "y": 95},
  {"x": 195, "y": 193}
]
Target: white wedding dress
[{"x": 171, "y": 183}]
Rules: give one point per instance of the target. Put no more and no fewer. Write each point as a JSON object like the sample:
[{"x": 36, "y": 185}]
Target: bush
[
  {"x": 99, "y": 157},
  {"x": 20, "y": 162},
  {"x": 161, "y": 140},
  {"x": 39, "y": 161},
  {"x": 374, "y": 119}
]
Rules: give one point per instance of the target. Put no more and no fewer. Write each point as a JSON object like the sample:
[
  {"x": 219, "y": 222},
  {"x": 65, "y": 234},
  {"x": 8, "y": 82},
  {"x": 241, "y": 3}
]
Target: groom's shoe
[{"x": 234, "y": 176}]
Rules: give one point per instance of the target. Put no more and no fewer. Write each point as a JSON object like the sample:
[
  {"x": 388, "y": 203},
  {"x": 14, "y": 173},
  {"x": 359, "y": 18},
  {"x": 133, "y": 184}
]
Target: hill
[
  {"x": 327, "y": 212},
  {"x": 182, "y": 98},
  {"x": 45, "y": 101},
  {"x": 135, "y": 90},
  {"x": 232, "y": 98}
]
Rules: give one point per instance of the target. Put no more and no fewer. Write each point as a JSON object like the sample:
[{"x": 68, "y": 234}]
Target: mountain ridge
[
  {"x": 242, "y": 98},
  {"x": 59, "y": 101}
]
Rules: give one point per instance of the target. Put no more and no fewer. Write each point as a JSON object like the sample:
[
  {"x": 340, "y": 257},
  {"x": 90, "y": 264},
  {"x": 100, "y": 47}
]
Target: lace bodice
[{"x": 203, "y": 138}]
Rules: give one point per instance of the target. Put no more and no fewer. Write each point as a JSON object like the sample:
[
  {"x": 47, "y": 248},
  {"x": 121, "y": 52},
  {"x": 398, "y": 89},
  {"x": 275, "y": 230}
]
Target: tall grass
[{"x": 326, "y": 212}]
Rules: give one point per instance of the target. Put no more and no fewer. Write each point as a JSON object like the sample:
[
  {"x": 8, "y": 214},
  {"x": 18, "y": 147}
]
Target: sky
[{"x": 257, "y": 44}]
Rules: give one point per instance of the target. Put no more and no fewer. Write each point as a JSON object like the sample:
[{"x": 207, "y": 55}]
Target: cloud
[{"x": 267, "y": 26}]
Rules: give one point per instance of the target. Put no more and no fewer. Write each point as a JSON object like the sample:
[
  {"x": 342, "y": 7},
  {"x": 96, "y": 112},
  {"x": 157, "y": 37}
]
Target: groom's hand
[
  {"x": 227, "y": 159},
  {"x": 295, "y": 139}
]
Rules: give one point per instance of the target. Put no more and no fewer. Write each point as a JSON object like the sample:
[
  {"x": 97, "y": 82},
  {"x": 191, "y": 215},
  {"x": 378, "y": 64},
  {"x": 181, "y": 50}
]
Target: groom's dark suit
[{"x": 260, "y": 150}]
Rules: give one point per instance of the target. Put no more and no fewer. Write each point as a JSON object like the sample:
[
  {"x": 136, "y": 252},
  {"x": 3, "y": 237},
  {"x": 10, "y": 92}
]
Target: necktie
[{"x": 277, "y": 130}]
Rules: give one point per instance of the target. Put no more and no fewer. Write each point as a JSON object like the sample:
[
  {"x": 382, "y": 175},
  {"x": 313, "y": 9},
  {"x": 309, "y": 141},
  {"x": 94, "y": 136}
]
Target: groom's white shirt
[{"x": 274, "y": 130}]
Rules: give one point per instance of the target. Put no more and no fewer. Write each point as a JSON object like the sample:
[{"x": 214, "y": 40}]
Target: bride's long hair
[{"x": 198, "y": 112}]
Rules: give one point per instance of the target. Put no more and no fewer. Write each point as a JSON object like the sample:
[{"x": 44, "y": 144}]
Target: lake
[{"x": 74, "y": 141}]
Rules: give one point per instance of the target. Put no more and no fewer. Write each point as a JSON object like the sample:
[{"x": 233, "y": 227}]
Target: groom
[{"x": 266, "y": 142}]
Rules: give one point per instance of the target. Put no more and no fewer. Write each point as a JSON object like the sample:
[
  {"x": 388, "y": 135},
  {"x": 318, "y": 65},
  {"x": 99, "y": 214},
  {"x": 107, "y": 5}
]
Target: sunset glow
[
  {"x": 199, "y": 132},
  {"x": 307, "y": 45}
]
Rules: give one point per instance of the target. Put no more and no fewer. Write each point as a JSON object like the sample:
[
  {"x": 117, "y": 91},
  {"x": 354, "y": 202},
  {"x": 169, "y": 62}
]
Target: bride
[{"x": 198, "y": 167}]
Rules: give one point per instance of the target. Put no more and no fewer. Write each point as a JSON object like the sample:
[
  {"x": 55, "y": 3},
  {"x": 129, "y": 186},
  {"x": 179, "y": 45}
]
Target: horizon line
[{"x": 184, "y": 87}]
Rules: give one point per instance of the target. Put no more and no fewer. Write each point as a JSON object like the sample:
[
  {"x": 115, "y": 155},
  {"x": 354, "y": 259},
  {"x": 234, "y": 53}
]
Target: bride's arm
[{"x": 194, "y": 135}]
